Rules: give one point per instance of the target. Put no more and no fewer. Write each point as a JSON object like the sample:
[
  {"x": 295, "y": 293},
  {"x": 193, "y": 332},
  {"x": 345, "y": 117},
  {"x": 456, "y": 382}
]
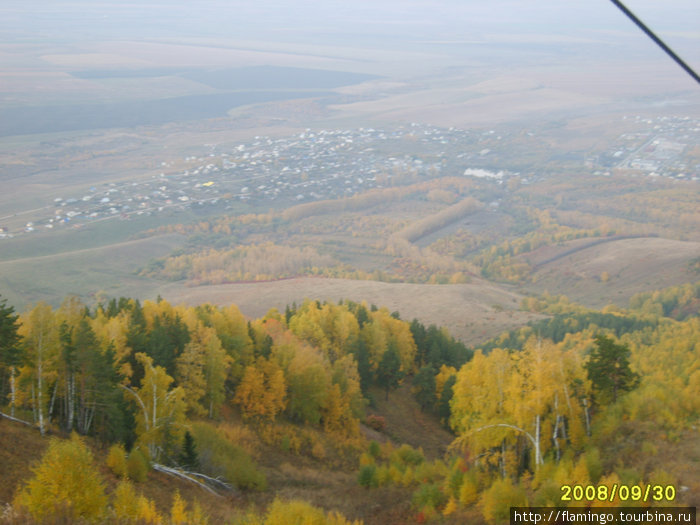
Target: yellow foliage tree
[
  {"x": 263, "y": 391},
  {"x": 116, "y": 460},
  {"x": 495, "y": 502},
  {"x": 125, "y": 503},
  {"x": 441, "y": 378},
  {"x": 160, "y": 409},
  {"x": 178, "y": 512},
  {"x": 146, "y": 511},
  {"x": 529, "y": 395},
  {"x": 180, "y": 516},
  {"x": 39, "y": 330},
  {"x": 202, "y": 370},
  {"x": 65, "y": 483},
  {"x": 113, "y": 332},
  {"x": 297, "y": 512}
]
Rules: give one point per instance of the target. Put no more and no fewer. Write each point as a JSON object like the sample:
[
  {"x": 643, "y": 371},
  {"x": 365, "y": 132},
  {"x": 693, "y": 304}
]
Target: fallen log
[
  {"x": 192, "y": 478},
  {"x": 7, "y": 416}
]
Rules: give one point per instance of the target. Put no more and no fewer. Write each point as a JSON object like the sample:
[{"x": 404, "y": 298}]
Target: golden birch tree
[
  {"x": 160, "y": 415},
  {"x": 262, "y": 393},
  {"x": 40, "y": 334}
]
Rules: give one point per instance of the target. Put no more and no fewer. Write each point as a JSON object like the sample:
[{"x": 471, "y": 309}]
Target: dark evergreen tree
[
  {"x": 136, "y": 337},
  {"x": 358, "y": 348},
  {"x": 10, "y": 349},
  {"x": 419, "y": 337},
  {"x": 189, "y": 458},
  {"x": 166, "y": 341},
  {"x": 361, "y": 315},
  {"x": 389, "y": 372},
  {"x": 445, "y": 398},
  {"x": 112, "y": 309},
  {"x": 424, "y": 382},
  {"x": 609, "y": 370},
  {"x": 113, "y": 419},
  {"x": 263, "y": 347}
]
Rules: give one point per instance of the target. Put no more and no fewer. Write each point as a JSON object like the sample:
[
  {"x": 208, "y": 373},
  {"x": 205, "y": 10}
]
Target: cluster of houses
[
  {"x": 657, "y": 150},
  {"x": 312, "y": 165},
  {"x": 270, "y": 172}
]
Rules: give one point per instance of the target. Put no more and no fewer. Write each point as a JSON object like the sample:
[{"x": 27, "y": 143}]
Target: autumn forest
[{"x": 198, "y": 392}]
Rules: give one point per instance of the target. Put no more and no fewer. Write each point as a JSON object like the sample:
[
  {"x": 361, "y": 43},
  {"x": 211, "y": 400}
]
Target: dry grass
[
  {"x": 633, "y": 265},
  {"x": 84, "y": 272},
  {"x": 407, "y": 423},
  {"x": 472, "y": 312},
  {"x": 20, "y": 448}
]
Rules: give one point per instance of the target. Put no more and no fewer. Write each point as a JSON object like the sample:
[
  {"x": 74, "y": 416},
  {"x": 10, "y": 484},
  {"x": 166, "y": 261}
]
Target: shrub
[
  {"x": 407, "y": 455},
  {"x": 66, "y": 484},
  {"x": 454, "y": 481},
  {"x": 548, "y": 494},
  {"x": 366, "y": 459},
  {"x": 431, "y": 471},
  {"x": 468, "y": 492},
  {"x": 146, "y": 511},
  {"x": 383, "y": 475},
  {"x": 368, "y": 476},
  {"x": 594, "y": 464},
  {"x": 180, "y": 516},
  {"x": 137, "y": 466},
  {"x": 496, "y": 501},
  {"x": 124, "y": 502},
  {"x": 429, "y": 496},
  {"x": 178, "y": 511},
  {"x": 302, "y": 513},
  {"x": 116, "y": 460},
  {"x": 374, "y": 449},
  {"x": 219, "y": 457},
  {"x": 377, "y": 423}
]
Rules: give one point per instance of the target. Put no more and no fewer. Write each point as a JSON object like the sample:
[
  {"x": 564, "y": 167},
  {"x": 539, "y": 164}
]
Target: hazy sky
[
  {"x": 312, "y": 19},
  {"x": 458, "y": 33}
]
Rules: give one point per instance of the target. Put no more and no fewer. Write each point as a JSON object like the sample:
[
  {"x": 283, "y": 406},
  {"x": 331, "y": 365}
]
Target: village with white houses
[{"x": 327, "y": 164}]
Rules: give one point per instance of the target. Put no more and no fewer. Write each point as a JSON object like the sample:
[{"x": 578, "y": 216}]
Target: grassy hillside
[
  {"x": 328, "y": 482},
  {"x": 611, "y": 273},
  {"x": 111, "y": 269},
  {"x": 474, "y": 312}
]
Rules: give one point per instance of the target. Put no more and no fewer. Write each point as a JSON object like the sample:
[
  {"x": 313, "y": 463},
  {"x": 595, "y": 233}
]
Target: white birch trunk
[
  {"x": 13, "y": 391},
  {"x": 33, "y": 403},
  {"x": 40, "y": 385},
  {"x": 555, "y": 435},
  {"x": 88, "y": 423},
  {"x": 534, "y": 440},
  {"x": 53, "y": 400},
  {"x": 154, "y": 410},
  {"x": 538, "y": 456},
  {"x": 71, "y": 400}
]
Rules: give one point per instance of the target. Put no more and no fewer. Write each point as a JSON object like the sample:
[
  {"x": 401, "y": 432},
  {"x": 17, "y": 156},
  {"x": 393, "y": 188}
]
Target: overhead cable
[{"x": 656, "y": 39}]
